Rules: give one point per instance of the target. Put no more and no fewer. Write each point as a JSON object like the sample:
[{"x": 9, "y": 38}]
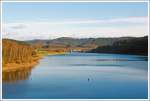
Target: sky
[{"x": 36, "y": 20}]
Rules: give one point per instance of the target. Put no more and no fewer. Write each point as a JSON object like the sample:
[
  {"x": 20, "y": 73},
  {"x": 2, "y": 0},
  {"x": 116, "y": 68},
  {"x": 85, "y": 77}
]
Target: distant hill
[
  {"x": 127, "y": 46},
  {"x": 76, "y": 42}
]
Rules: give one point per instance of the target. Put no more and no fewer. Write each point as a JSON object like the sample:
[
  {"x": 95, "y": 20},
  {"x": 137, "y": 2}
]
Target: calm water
[{"x": 84, "y": 75}]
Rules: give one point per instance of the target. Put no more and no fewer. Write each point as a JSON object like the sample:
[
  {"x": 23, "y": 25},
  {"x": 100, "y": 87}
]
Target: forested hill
[
  {"x": 76, "y": 42},
  {"x": 16, "y": 52},
  {"x": 128, "y": 46}
]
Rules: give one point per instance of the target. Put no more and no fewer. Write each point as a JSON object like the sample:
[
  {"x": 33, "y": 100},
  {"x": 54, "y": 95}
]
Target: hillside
[
  {"x": 16, "y": 52},
  {"x": 21, "y": 56},
  {"x": 127, "y": 46},
  {"x": 67, "y": 42}
]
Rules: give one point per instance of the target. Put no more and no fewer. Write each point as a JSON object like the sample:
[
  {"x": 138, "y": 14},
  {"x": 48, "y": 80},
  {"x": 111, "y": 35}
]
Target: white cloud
[{"x": 133, "y": 26}]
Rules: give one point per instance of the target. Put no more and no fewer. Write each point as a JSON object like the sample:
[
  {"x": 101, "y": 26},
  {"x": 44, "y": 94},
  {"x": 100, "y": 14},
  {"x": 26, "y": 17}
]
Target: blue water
[{"x": 84, "y": 76}]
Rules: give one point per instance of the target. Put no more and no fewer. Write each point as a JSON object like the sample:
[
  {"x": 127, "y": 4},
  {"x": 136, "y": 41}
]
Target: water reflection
[
  {"x": 84, "y": 76},
  {"x": 16, "y": 75}
]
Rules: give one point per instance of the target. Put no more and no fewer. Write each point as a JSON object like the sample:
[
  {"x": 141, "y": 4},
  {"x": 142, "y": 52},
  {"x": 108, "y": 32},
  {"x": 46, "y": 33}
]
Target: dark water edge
[{"x": 81, "y": 76}]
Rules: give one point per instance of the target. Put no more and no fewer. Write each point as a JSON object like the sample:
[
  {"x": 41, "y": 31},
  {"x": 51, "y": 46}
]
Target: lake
[{"x": 83, "y": 76}]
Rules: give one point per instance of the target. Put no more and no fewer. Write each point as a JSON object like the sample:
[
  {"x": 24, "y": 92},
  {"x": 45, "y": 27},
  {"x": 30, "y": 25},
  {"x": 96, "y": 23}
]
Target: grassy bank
[
  {"x": 19, "y": 55},
  {"x": 21, "y": 66},
  {"x": 11, "y": 67},
  {"x": 46, "y": 52}
]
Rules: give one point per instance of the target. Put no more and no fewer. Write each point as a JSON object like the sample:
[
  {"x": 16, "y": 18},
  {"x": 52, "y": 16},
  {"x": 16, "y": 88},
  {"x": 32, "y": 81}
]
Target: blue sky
[{"x": 74, "y": 19}]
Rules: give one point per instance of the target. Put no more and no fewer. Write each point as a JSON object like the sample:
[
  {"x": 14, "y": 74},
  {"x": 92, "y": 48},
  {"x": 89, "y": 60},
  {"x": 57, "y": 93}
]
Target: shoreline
[
  {"x": 118, "y": 53},
  {"x": 12, "y": 67}
]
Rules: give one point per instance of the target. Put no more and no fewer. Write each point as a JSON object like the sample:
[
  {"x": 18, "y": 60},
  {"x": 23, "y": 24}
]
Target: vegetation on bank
[
  {"x": 18, "y": 55},
  {"x": 16, "y": 52}
]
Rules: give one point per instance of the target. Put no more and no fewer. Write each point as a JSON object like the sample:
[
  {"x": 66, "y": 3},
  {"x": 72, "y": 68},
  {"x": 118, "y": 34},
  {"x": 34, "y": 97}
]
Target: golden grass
[
  {"x": 23, "y": 66},
  {"x": 14, "y": 66}
]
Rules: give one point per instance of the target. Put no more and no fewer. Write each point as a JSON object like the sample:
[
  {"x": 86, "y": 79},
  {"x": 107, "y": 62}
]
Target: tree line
[
  {"x": 16, "y": 52},
  {"x": 137, "y": 46}
]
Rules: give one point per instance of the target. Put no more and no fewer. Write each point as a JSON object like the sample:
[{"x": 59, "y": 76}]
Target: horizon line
[{"x": 78, "y": 38}]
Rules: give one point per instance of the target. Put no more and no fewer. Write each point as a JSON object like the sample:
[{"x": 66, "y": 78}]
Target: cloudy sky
[{"x": 26, "y": 21}]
